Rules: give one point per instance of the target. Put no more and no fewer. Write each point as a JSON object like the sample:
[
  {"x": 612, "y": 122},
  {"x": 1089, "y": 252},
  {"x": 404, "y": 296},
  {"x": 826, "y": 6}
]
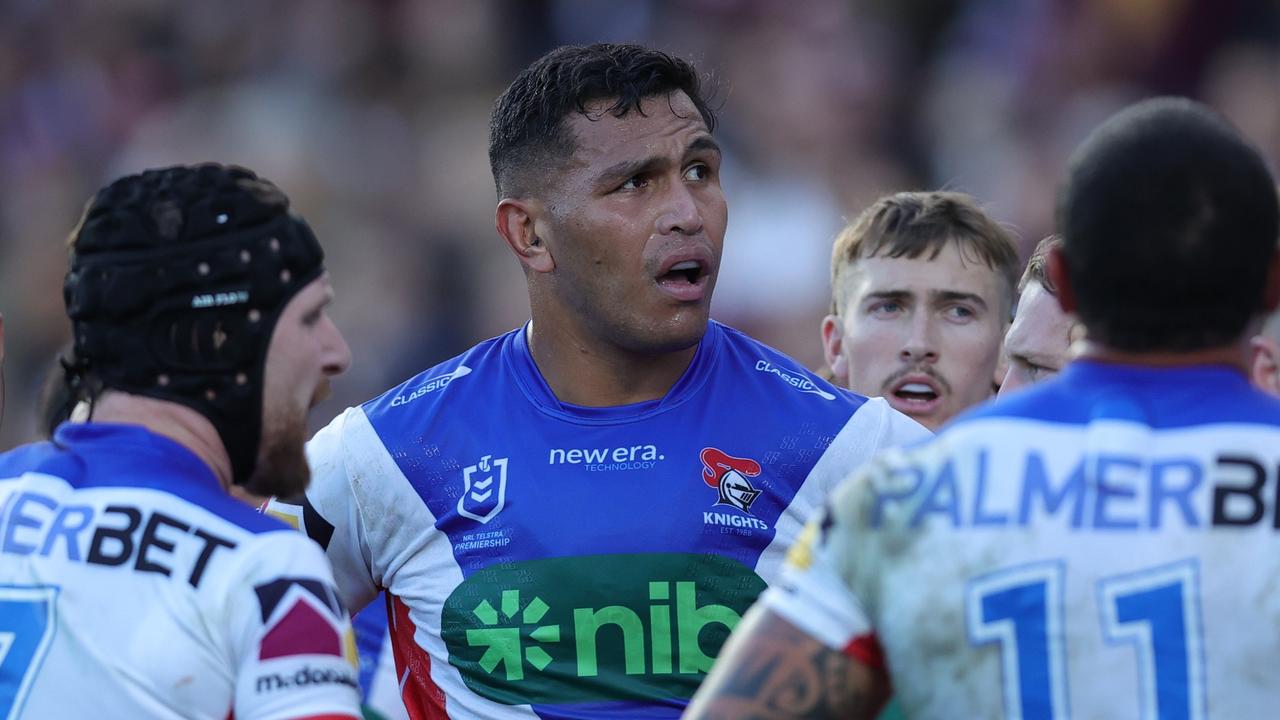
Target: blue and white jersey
[
  {"x": 555, "y": 561},
  {"x": 132, "y": 586},
  {"x": 1103, "y": 545}
]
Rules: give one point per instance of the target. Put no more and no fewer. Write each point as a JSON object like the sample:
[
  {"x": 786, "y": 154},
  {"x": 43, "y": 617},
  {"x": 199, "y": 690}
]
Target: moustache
[{"x": 887, "y": 387}]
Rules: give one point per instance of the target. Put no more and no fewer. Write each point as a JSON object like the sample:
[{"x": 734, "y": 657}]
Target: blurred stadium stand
[{"x": 373, "y": 116}]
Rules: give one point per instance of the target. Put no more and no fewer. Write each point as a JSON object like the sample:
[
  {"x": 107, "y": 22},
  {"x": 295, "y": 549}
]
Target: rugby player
[
  {"x": 922, "y": 288},
  {"x": 570, "y": 517},
  {"x": 1102, "y": 544},
  {"x": 132, "y": 585},
  {"x": 1038, "y": 343}
]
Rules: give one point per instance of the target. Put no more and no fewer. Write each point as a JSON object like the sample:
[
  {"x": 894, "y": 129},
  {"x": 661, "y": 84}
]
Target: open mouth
[
  {"x": 689, "y": 271},
  {"x": 917, "y": 396},
  {"x": 916, "y": 392},
  {"x": 685, "y": 280}
]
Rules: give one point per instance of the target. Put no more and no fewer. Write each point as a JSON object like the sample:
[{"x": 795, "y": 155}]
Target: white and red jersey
[
  {"x": 1103, "y": 545},
  {"x": 132, "y": 586}
]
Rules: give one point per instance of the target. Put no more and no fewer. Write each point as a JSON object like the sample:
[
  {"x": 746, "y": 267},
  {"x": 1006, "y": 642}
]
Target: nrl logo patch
[
  {"x": 729, "y": 474},
  {"x": 485, "y": 489}
]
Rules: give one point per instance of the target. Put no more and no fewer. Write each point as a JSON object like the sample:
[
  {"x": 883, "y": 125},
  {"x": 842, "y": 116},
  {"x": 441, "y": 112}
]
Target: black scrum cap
[{"x": 176, "y": 281}]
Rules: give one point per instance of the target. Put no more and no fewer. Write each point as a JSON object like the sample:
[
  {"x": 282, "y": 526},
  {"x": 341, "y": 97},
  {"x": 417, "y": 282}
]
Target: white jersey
[
  {"x": 132, "y": 586},
  {"x": 1103, "y": 545}
]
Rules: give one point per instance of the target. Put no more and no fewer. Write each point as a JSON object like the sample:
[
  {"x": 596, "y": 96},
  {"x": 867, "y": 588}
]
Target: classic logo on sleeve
[
  {"x": 794, "y": 379},
  {"x": 303, "y": 616},
  {"x": 484, "y": 489}
]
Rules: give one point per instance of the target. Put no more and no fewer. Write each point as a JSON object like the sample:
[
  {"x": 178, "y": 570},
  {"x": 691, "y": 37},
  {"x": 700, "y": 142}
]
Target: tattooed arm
[{"x": 771, "y": 669}]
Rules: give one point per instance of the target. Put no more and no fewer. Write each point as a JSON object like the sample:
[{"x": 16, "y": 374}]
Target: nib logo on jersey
[
  {"x": 647, "y": 626},
  {"x": 484, "y": 491},
  {"x": 729, "y": 475}
]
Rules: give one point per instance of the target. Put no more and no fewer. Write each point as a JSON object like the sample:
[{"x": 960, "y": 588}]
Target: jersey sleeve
[
  {"x": 897, "y": 430},
  {"x": 291, "y": 641},
  {"x": 330, "y": 513},
  {"x": 818, "y": 591},
  {"x": 873, "y": 428}
]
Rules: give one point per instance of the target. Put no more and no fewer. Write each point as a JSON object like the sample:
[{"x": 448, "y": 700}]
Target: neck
[
  {"x": 177, "y": 422},
  {"x": 585, "y": 370},
  {"x": 1234, "y": 355}
]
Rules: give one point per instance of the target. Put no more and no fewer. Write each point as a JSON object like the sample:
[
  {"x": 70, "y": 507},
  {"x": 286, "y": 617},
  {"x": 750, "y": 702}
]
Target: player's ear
[
  {"x": 1055, "y": 266},
  {"x": 1264, "y": 369},
  {"x": 517, "y": 226},
  {"x": 833, "y": 349}
]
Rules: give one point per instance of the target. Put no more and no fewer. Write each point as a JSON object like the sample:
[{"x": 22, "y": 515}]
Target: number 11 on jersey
[{"x": 1155, "y": 611}]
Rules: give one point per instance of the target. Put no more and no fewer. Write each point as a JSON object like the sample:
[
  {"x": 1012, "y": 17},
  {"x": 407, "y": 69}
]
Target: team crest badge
[
  {"x": 728, "y": 474},
  {"x": 484, "y": 489}
]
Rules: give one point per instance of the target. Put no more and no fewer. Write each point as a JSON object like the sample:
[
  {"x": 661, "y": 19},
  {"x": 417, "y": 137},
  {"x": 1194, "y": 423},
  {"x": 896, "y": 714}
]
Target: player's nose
[
  {"x": 919, "y": 345},
  {"x": 336, "y": 353},
  {"x": 680, "y": 212}
]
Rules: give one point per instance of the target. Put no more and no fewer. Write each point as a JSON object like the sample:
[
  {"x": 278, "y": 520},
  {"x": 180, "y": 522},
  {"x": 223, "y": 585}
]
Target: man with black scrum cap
[{"x": 132, "y": 584}]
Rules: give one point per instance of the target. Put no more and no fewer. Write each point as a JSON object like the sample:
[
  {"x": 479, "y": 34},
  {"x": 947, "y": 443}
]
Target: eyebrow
[
  {"x": 948, "y": 296},
  {"x": 898, "y": 295},
  {"x": 644, "y": 166}
]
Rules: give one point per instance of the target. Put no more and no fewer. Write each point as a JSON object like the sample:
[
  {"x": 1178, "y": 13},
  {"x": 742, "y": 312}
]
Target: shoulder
[
  {"x": 43, "y": 457},
  {"x": 267, "y": 559},
  {"x": 432, "y": 386},
  {"x": 241, "y": 515},
  {"x": 409, "y": 402},
  {"x": 1161, "y": 397},
  {"x": 778, "y": 375},
  {"x": 1050, "y": 401},
  {"x": 284, "y": 551}
]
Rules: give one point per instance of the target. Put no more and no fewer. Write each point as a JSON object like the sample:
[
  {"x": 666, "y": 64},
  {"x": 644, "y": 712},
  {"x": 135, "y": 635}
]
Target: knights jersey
[
  {"x": 132, "y": 586},
  {"x": 546, "y": 560},
  {"x": 1101, "y": 545},
  {"x": 379, "y": 684}
]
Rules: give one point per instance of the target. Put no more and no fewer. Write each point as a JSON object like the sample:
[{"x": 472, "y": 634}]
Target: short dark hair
[
  {"x": 911, "y": 224},
  {"x": 1036, "y": 271},
  {"x": 1169, "y": 219},
  {"x": 527, "y": 130}
]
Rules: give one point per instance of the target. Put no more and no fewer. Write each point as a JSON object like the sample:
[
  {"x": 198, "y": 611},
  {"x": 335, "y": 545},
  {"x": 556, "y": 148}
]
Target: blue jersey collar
[
  {"x": 519, "y": 360},
  {"x": 135, "y": 451}
]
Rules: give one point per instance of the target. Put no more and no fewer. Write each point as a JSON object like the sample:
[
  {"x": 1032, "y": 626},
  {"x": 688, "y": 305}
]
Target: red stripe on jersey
[
  {"x": 422, "y": 697},
  {"x": 866, "y": 650}
]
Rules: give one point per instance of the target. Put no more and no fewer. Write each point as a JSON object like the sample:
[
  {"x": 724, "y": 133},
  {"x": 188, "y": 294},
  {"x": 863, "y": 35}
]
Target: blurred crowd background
[{"x": 373, "y": 116}]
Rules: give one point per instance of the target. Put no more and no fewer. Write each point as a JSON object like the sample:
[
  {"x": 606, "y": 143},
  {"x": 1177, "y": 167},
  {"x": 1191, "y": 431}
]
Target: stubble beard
[{"x": 282, "y": 469}]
